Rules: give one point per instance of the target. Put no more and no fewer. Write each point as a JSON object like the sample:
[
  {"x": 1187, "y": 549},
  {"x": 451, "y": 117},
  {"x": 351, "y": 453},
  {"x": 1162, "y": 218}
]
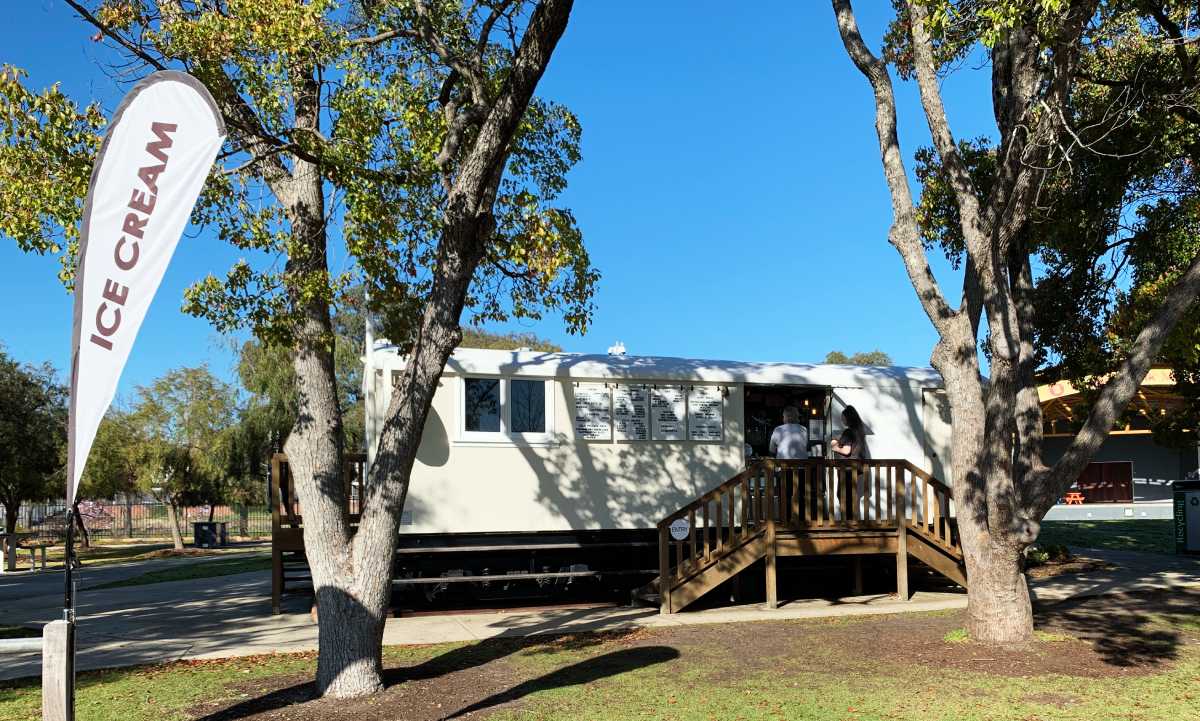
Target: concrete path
[
  {"x": 230, "y": 615},
  {"x": 1133, "y": 572}
]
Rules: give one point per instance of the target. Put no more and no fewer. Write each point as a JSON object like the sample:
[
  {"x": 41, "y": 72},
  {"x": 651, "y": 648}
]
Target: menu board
[
  {"x": 706, "y": 413},
  {"x": 668, "y": 415},
  {"x": 631, "y": 412},
  {"x": 593, "y": 415}
]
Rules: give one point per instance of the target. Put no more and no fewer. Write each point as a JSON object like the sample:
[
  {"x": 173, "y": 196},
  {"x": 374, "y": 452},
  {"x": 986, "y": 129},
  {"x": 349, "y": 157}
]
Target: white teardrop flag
[{"x": 155, "y": 158}]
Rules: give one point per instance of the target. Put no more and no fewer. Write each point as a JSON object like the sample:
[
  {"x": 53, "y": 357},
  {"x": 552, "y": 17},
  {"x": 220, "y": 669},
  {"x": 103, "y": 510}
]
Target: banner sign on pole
[{"x": 155, "y": 158}]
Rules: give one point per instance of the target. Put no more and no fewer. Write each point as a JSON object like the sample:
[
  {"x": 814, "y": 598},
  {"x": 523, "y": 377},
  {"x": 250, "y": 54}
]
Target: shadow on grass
[
  {"x": 479, "y": 654},
  {"x": 584, "y": 672},
  {"x": 1123, "y": 631}
]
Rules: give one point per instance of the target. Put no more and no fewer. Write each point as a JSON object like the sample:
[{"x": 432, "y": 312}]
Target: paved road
[
  {"x": 43, "y": 583},
  {"x": 230, "y": 615}
]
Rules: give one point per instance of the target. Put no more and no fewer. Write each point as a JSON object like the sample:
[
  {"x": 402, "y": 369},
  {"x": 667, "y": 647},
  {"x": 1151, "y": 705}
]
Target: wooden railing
[
  {"x": 285, "y": 505},
  {"x": 287, "y": 534},
  {"x": 812, "y": 496},
  {"x": 933, "y": 518}
]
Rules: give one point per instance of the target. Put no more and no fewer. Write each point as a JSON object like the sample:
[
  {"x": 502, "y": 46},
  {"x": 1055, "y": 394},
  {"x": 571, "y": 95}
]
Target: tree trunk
[
  {"x": 85, "y": 540},
  {"x": 173, "y": 522},
  {"x": 11, "y": 512},
  {"x": 243, "y": 520},
  {"x": 998, "y": 606},
  {"x": 10, "y": 527},
  {"x": 128, "y": 515},
  {"x": 350, "y": 622}
]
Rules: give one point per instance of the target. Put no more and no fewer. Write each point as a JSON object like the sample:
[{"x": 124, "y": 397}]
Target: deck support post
[
  {"x": 902, "y": 563},
  {"x": 664, "y": 569},
  {"x": 772, "y": 572},
  {"x": 858, "y": 575}
]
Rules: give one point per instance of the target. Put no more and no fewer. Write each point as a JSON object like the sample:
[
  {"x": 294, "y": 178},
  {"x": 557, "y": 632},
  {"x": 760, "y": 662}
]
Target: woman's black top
[{"x": 853, "y": 437}]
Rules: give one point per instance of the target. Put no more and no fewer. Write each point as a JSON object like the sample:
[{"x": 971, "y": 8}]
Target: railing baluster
[
  {"x": 796, "y": 492},
  {"x": 745, "y": 506},
  {"x": 704, "y": 539},
  {"x": 809, "y": 493},
  {"x": 692, "y": 535},
  {"x": 847, "y": 484},
  {"x": 924, "y": 503},
  {"x": 732, "y": 497},
  {"x": 879, "y": 494},
  {"x": 769, "y": 513},
  {"x": 891, "y": 493},
  {"x": 828, "y": 488}
]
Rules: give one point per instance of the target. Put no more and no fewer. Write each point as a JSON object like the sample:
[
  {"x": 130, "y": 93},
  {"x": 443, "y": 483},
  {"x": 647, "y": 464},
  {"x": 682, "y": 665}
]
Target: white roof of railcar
[{"x": 583, "y": 366}]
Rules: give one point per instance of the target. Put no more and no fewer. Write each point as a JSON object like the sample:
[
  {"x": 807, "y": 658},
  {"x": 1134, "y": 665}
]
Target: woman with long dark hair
[{"x": 853, "y": 442}]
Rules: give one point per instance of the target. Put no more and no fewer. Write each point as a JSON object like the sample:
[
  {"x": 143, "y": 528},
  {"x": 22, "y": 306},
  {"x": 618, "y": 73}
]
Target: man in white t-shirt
[{"x": 790, "y": 440}]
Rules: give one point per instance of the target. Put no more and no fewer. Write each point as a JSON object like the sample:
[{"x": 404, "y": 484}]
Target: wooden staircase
[{"x": 806, "y": 507}]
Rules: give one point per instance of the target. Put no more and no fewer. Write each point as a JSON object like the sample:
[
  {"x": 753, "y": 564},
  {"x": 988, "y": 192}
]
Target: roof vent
[{"x": 617, "y": 348}]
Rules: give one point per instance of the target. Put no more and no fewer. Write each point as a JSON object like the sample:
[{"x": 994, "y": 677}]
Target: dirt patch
[
  {"x": 1074, "y": 566},
  {"x": 1104, "y": 637},
  {"x": 469, "y": 682}
]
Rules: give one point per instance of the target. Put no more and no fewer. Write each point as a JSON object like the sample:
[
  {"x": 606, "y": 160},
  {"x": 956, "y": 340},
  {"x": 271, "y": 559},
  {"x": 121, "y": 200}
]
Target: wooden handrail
[{"x": 917, "y": 471}]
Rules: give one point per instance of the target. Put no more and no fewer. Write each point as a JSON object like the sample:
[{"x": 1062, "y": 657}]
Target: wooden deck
[{"x": 811, "y": 507}]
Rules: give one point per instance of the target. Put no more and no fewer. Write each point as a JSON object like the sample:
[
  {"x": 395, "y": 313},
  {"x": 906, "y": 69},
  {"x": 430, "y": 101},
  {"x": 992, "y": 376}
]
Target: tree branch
[
  {"x": 903, "y": 234},
  {"x": 121, "y": 40},
  {"x": 1118, "y": 390}
]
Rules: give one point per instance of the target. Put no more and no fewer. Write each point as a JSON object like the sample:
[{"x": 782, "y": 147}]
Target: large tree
[
  {"x": 33, "y": 434},
  {"x": 1095, "y": 108},
  {"x": 399, "y": 139},
  {"x": 178, "y": 426}
]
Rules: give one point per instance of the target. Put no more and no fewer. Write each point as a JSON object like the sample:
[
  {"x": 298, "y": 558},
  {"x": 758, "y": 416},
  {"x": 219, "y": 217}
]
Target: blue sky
[{"x": 730, "y": 190}]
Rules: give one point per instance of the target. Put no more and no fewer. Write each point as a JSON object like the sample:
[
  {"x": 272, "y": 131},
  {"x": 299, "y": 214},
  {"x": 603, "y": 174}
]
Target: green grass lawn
[
  {"x": 106, "y": 552},
  {"x": 1148, "y": 535},
  {"x": 19, "y": 632},
  {"x": 205, "y": 569},
  {"x": 1144, "y": 665}
]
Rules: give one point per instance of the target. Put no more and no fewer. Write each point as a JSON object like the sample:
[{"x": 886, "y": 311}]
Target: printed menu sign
[
  {"x": 631, "y": 412},
  {"x": 706, "y": 413},
  {"x": 667, "y": 413},
  {"x": 593, "y": 415}
]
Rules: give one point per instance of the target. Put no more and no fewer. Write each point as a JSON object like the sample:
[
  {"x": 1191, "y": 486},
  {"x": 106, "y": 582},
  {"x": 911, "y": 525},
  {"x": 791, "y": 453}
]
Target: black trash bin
[
  {"x": 209, "y": 534},
  {"x": 1187, "y": 517}
]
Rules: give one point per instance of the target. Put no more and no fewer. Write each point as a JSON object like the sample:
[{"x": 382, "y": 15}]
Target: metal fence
[{"x": 139, "y": 519}]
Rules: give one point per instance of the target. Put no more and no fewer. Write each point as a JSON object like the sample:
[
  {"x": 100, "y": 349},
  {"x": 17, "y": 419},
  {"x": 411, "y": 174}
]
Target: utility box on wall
[{"x": 1187, "y": 517}]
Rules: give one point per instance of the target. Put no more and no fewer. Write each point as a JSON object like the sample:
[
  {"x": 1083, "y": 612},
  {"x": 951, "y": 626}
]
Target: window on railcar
[
  {"x": 527, "y": 409},
  {"x": 481, "y": 410}
]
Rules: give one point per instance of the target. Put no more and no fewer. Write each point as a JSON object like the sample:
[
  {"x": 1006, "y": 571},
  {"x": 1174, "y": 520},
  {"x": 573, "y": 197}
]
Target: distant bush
[{"x": 1042, "y": 553}]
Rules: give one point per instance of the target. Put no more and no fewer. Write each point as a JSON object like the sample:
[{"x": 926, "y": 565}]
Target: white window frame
[{"x": 505, "y": 436}]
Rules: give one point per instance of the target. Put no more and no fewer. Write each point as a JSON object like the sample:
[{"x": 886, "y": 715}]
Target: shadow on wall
[
  {"x": 434, "y": 450},
  {"x": 636, "y": 484},
  {"x": 628, "y": 485}
]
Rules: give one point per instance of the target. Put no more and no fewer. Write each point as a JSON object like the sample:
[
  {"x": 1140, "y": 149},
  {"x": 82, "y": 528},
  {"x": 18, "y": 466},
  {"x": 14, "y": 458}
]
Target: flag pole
[
  {"x": 149, "y": 170},
  {"x": 69, "y": 612}
]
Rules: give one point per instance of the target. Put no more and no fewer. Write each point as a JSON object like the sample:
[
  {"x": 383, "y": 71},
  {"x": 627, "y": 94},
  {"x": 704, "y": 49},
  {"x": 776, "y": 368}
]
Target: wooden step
[
  {"x": 730, "y": 564},
  {"x": 937, "y": 557}
]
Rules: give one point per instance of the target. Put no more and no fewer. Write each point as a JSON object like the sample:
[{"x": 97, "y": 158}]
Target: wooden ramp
[{"x": 811, "y": 507}]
